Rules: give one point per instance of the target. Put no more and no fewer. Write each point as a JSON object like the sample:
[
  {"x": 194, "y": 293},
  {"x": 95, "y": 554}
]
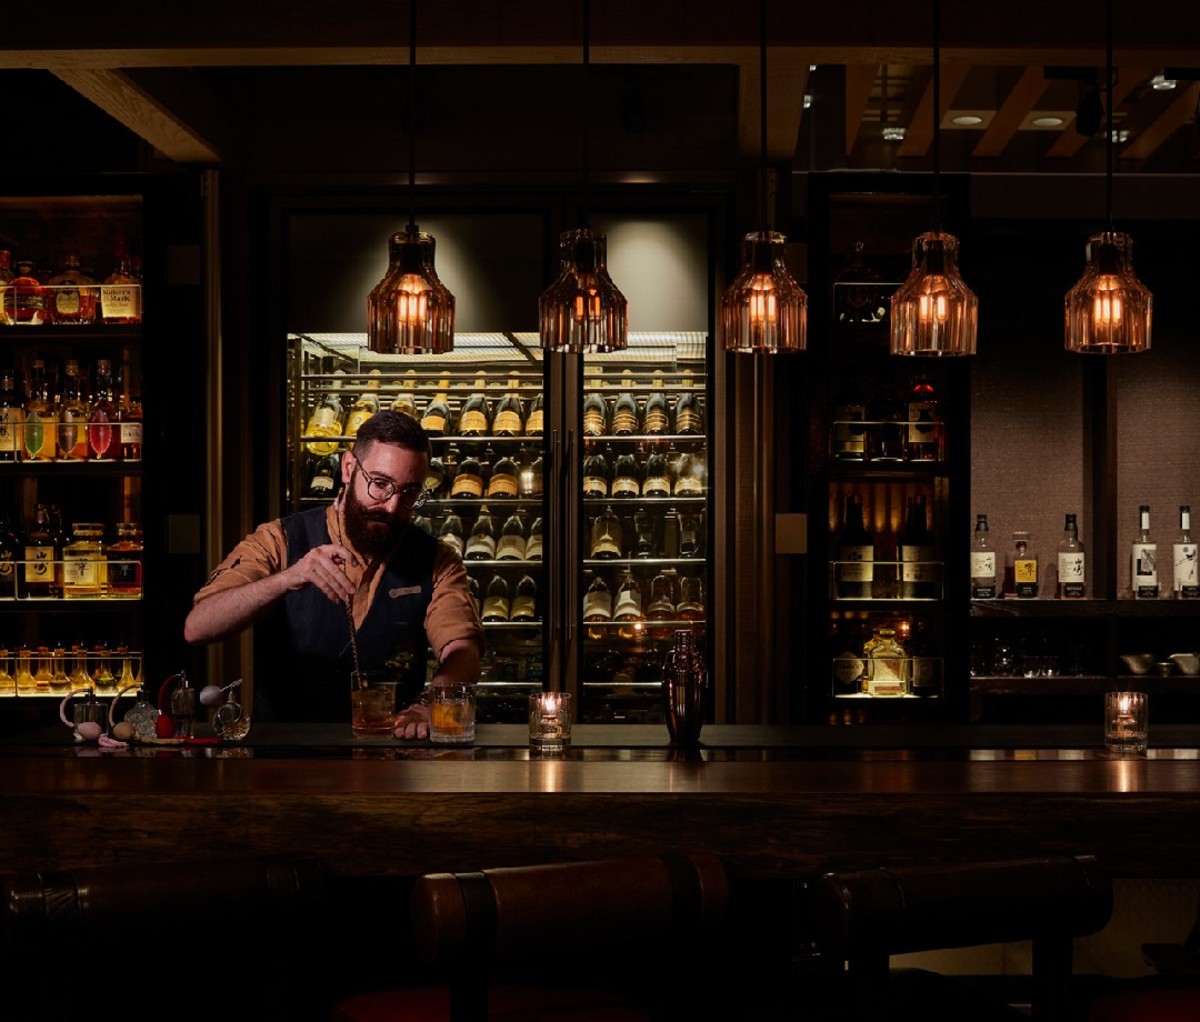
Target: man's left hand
[{"x": 413, "y": 722}]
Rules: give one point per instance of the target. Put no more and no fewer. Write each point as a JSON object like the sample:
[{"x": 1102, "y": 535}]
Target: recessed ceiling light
[
  {"x": 893, "y": 133},
  {"x": 1048, "y": 121},
  {"x": 1159, "y": 83},
  {"x": 966, "y": 120}
]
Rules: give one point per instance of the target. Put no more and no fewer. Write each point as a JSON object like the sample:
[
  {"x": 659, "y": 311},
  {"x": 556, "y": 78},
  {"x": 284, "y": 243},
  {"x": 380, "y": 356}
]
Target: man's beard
[{"x": 373, "y": 533}]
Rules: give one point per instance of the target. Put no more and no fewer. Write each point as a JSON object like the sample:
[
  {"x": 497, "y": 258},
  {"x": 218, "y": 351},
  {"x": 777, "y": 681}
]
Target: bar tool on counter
[{"x": 684, "y": 681}]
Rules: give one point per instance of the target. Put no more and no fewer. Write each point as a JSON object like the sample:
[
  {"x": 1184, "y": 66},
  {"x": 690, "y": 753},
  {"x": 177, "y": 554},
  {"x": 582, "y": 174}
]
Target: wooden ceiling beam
[
  {"x": 860, "y": 80},
  {"x": 1021, "y": 99},
  {"x": 1180, "y": 112},
  {"x": 918, "y": 136}
]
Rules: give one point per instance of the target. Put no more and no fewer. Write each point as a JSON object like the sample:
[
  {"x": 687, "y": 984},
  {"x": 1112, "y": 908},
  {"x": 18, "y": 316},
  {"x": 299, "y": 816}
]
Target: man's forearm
[
  {"x": 229, "y": 611},
  {"x": 459, "y": 663}
]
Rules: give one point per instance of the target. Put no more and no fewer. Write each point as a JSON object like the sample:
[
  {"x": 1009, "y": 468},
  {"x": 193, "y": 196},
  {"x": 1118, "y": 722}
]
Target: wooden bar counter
[{"x": 773, "y": 802}]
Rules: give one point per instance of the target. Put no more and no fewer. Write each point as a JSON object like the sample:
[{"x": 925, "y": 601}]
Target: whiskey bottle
[
  {"x": 327, "y": 418},
  {"x": 121, "y": 292},
  {"x": 40, "y": 423},
  {"x": 41, "y": 554},
  {"x": 1143, "y": 560},
  {"x": 606, "y": 536},
  {"x": 124, "y": 567},
  {"x": 83, "y": 562},
  {"x": 657, "y": 419},
  {"x": 366, "y": 405},
  {"x": 854, "y": 573},
  {"x": 103, "y": 429},
  {"x": 595, "y": 414},
  {"x": 1021, "y": 568},
  {"x": 510, "y": 413},
  {"x": 524, "y": 602},
  {"x": 849, "y": 425},
  {"x": 476, "y": 416},
  {"x": 625, "y": 409},
  {"x": 25, "y": 300},
  {"x": 12, "y": 418},
  {"x": 130, "y": 414},
  {"x": 451, "y": 533},
  {"x": 983, "y": 562},
  {"x": 625, "y": 477},
  {"x": 468, "y": 480},
  {"x": 595, "y": 474},
  {"x": 689, "y": 412},
  {"x": 496, "y": 606},
  {"x": 597, "y": 606},
  {"x": 1186, "y": 579},
  {"x": 886, "y": 671},
  {"x": 436, "y": 420},
  {"x": 405, "y": 401},
  {"x": 5, "y": 277},
  {"x": 512, "y": 544},
  {"x": 533, "y": 545},
  {"x": 10, "y": 555},
  {"x": 533, "y": 423},
  {"x": 72, "y": 416},
  {"x": 1072, "y": 563},
  {"x": 72, "y": 300},
  {"x": 924, "y": 422},
  {"x": 481, "y": 544},
  {"x": 503, "y": 480},
  {"x": 918, "y": 555},
  {"x": 886, "y": 426}
]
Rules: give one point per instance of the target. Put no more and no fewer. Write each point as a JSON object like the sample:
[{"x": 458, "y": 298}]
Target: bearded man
[{"x": 406, "y": 591}]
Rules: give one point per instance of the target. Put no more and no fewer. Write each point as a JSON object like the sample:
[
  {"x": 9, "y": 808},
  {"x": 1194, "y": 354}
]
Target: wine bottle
[
  {"x": 597, "y": 605},
  {"x": 983, "y": 561},
  {"x": 325, "y": 477},
  {"x": 1143, "y": 560},
  {"x": 917, "y": 554},
  {"x": 1072, "y": 563},
  {"x": 510, "y": 413},
  {"x": 855, "y": 569},
  {"x": 595, "y": 414},
  {"x": 503, "y": 480},
  {"x": 689, "y": 413},
  {"x": 436, "y": 420},
  {"x": 533, "y": 423},
  {"x": 366, "y": 405},
  {"x": 451, "y": 533},
  {"x": 524, "y": 603},
  {"x": 475, "y": 418},
  {"x": 625, "y": 409},
  {"x": 512, "y": 545},
  {"x": 533, "y": 545},
  {"x": 625, "y": 481},
  {"x": 658, "y": 476},
  {"x": 606, "y": 536},
  {"x": 468, "y": 480},
  {"x": 1186, "y": 579},
  {"x": 595, "y": 474},
  {"x": 657, "y": 420}
]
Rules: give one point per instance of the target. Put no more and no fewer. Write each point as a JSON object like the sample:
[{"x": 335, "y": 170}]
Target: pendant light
[
  {"x": 764, "y": 309},
  {"x": 933, "y": 311},
  {"x": 583, "y": 310},
  {"x": 410, "y": 311},
  {"x": 1109, "y": 310}
]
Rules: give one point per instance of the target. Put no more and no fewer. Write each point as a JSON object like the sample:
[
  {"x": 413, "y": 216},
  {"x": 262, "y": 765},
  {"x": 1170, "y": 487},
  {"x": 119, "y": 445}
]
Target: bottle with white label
[
  {"x": 1072, "y": 563},
  {"x": 1143, "y": 560},
  {"x": 1186, "y": 577},
  {"x": 983, "y": 562}
]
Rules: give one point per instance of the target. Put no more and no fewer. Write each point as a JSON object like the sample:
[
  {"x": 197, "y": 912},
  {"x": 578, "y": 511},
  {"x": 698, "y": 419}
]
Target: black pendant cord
[
  {"x": 586, "y": 93},
  {"x": 762, "y": 114},
  {"x": 1108, "y": 142},
  {"x": 937, "y": 115},
  {"x": 412, "y": 116}
]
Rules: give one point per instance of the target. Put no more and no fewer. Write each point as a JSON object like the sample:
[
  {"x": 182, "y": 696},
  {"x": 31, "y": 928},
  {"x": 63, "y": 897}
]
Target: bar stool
[
  {"x": 862, "y": 918},
  {"x": 559, "y": 942},
  {"x": 79, "y": 943}
]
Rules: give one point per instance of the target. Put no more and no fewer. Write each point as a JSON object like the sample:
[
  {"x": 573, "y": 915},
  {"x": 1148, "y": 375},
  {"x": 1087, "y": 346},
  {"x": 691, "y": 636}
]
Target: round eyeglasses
[{"x": 382, "y": 490}]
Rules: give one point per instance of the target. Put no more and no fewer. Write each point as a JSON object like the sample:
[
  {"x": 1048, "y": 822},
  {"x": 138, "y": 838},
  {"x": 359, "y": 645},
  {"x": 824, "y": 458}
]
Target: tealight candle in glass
[
  {"x": 549, "y": 721},
  {"x": 1126, "y": 721}
]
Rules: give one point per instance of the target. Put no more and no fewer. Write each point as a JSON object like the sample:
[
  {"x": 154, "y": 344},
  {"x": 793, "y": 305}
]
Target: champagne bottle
[
  {"x": 481, "y": 546},
  {"x": 366, "y": 405},
  {"x": 662, "y": 601},
  {"x": 496, "y": 605},
  {"x": 533, "y": 545},
  {"x": 689, "y": 412},
  {"x": 325, "y": 478},
  {"x": 690, "y": 526},
  {"x": 475, "y": 418},
  {"x": 435, "y": 477},
  {"x": 510, "y": 413},
  {"x": 436, "y": 420},
  {"x": 1072, "y": 563},
  {"x": 855, "y": 570},
  {"x": 468, "y": 480},
  {"x": 12, "y": 418},
  {"x": 524, "y": 603},
  {"x": 628, "y": 607},
  {"x": 691, "y": 598},
  {"x": 595, "y": 414},
  {"x": 1186, "y": 579},
  {"x": 692, "y": 475},
  {"x": 983, "y": 562},
  {"x": 503, "y": 480},
  {"x": 658, "y": 476},
  {"x": 918, "y": 555},
  {"x": 512, "y": 544},
  {"x": 606, "y": 536},
  {"x": 625, "y": 409},
  {"x": 597, "y": 605},
  {"x": 656, "y": 420},
  {"x": 327, "y": 418},
  {"x": 405, "y": 401},
  {"x": 451, "y": 533},
  {"x": 530, "y": 477},
  {"x": 40, "y": 424},
  {"x": 1143, "y": 560},
  {"x": 595, "y": 474},
  {"x": 625, "y": 477},
  {"x": 533, "y": 423}
]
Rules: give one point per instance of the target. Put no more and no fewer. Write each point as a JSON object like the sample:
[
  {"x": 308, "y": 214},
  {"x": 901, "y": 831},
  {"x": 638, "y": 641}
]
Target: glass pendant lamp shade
[
  {"x": 583, "y": 311},
  {"x": 1109, "y": 310},
  {"x": 934, "y": 312},
  {"x": 764, "y": 309},
  {"x": 410, "y": 311}
]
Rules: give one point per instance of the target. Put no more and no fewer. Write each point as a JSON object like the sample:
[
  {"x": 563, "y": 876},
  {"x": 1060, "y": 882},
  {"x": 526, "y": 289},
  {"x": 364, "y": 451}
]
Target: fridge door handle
[{"x": 567, "y": 563}]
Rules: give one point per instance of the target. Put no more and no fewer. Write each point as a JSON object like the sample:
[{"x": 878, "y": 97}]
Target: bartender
[{"x": 407, "y": 592}]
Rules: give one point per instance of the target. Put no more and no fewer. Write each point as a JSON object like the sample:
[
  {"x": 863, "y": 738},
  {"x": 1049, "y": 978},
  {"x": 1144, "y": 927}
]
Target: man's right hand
[{"x": 322, "y": 567}]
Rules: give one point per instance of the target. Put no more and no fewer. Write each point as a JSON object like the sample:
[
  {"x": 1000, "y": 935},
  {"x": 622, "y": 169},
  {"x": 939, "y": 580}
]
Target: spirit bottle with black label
[
  {"x": 1143, "y": 560},
  {"x": 41, "y": 556}
]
